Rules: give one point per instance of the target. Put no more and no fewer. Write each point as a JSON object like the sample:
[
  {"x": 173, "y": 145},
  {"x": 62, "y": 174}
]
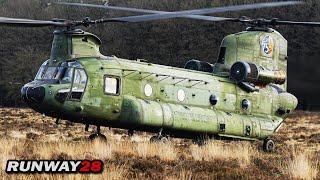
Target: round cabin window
[
  {"x": 148, "y": 90},
  {"x": 213, "y": 99},
  {"x": 181, "y": 95},
  {"x": 245, "y": 104}
]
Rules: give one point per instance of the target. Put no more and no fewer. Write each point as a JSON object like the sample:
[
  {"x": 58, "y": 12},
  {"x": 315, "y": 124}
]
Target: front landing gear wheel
[
  {"x": 269, "y": 145},
  {"x": 97, "y": 136}
]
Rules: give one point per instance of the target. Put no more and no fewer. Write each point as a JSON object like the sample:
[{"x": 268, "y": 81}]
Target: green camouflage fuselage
[{"x": 151, "y": 97}]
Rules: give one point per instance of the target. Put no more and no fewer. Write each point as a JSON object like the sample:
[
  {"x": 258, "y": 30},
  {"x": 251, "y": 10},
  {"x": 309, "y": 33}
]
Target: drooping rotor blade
[
  {"x": 30, "y": 22},
  {"x": 169, "y": 15},
  {"x": 55, "y": 23}
]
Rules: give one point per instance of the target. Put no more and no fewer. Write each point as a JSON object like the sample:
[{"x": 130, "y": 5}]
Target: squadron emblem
[{"x": 267, "y": 45}]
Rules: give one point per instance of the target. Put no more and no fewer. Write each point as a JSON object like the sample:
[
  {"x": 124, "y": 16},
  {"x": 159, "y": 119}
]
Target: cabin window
[
  {"x": 112, "y": 85},
  {"x": 79, "y": 83},
  {"x": 148, "y": 90},
  {"x": 181, "y": 95},
  {"x": 222, "y": 55}
]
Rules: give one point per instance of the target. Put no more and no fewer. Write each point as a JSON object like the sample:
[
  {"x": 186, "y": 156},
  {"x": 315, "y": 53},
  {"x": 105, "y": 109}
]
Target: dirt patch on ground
[{"x": 28, "y": 135}]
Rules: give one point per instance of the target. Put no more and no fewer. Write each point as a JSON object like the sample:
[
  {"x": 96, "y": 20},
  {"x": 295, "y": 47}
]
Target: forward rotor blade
[
  {"x": 111, "y": 7},
  {"x": 169, "y": 15},
  {"x": 199, "y": 17},
  {"x": 30, "y": 22}
]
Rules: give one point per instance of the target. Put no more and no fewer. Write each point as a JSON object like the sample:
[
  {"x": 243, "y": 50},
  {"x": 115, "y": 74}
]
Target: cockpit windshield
[
  {"x": 41, "y": 70},
  {"x": 49, "y": 72},
  {"x": 52, "y": 73},
  {"x": 64, "y": 72},
  {"x": 67, "y": 77}
]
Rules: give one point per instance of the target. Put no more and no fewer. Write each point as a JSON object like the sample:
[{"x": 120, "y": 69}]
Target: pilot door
[
  {"x": 78, "y": 85},
  {"x": 78, "y": 80}
]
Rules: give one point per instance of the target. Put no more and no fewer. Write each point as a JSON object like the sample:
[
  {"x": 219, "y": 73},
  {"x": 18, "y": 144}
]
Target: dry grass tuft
[
  {"x": 240, "y": 151},
  {"x": 164, "y": 150},
  {"x": 7, "y": 151},
  {"x": 185, "y": 175},
  {"x": 125, "y": 147},
  {"x": 76, "y": 150},
  {"x": 143, "y": 149},
  {"x": 103, "y": 150},
  {"x": 115, "y": 172},
  {"x": 302, "y": 167}
]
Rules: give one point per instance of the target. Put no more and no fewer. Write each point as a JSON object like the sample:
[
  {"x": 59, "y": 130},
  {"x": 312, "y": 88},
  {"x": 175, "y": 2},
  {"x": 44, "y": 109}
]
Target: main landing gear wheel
[
  {"x": 154, "y": 139},
  {"x": 159, "y": 137},
  {"x": 98, "y": 135},
  {"x": 199, "y": 142},
  {"x": 269, "y": 145}
]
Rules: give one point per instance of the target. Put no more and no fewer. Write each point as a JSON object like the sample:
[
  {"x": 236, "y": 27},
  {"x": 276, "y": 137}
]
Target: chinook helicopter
[{"x": 242, "y": 96}]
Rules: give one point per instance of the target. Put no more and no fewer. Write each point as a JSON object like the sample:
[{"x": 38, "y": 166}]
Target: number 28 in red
[{"x": 94, "y": 166}]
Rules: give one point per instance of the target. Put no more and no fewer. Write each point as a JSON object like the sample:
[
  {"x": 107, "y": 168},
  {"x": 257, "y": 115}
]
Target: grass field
[{"x": 28, "y": 135}]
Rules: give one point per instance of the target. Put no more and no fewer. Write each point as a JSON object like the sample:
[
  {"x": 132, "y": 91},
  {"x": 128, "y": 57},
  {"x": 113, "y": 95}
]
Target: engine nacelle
[
  {"x": 248, "y": 72},
  {"x": 199, "y": 66}
]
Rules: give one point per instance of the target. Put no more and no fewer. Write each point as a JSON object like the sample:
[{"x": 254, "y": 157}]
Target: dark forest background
[{"x": 168, "y": 42}]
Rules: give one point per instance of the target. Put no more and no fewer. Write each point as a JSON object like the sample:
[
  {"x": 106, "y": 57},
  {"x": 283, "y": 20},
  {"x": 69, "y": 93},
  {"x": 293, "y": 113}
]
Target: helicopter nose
[{"x": 33, "y": 94}]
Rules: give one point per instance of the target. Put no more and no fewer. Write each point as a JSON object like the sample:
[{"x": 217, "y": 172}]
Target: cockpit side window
[
  {"x": 50, "y": 73},
  {"x": 74, "y": 78},
  {"x": 79, "y": 83},
  {"x": 60, "y": 72},
  {"x": 41, "y": 70},
  {"x": 222, "y": 55},
  {"x": 67, "y": 76}
]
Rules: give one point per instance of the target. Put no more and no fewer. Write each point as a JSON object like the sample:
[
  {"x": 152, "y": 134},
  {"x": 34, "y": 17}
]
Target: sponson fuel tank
[
  {"x": 286, "y": 103},
  {"x": 139, "y": 113}
]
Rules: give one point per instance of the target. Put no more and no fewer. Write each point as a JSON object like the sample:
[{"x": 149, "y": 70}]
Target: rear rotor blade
[
  {"x": 169, "y": 15},
  {"x": 272, "y": 22},
  {"x": 30, "y": 22}
]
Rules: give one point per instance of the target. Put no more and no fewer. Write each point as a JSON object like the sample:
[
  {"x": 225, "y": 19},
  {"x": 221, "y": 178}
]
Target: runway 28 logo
[{"x": 54, "y": 166}]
